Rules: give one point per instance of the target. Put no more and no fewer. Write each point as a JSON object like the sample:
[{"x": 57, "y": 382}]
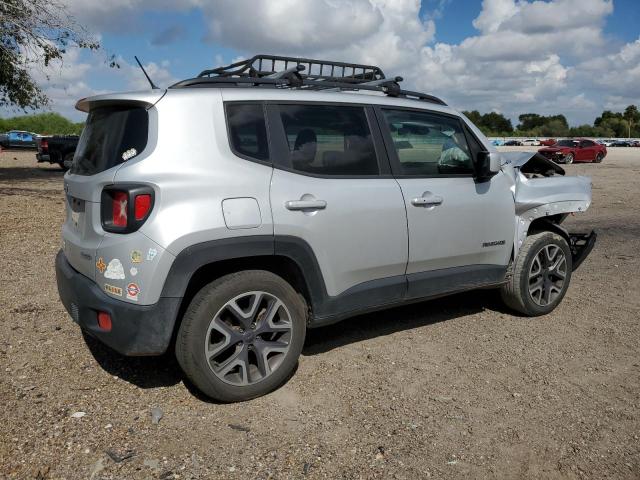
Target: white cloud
[
  {"x": 544, "y": 56},
  {"x": 290, "y": 25},
  {"x": 520, "y": 59}
]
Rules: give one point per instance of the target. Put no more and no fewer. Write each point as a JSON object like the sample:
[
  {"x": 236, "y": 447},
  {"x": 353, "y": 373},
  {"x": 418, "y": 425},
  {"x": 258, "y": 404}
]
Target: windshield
[
  {"x": 111, "y": 136},
  {"x": 566, "y": 143}
]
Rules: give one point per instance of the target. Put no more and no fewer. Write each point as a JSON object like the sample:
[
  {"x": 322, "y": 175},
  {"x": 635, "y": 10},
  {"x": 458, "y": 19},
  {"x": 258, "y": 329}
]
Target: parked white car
[{"x": 531, "y": 142}]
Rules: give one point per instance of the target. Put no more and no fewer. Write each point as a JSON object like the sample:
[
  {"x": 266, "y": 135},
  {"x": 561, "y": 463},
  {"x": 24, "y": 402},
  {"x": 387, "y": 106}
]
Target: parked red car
[
  {"x": 548, "y": 142},
  {"x": 577, "y": 150}
]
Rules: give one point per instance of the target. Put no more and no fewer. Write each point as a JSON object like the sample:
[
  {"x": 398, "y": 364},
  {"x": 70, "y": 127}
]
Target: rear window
[
  {"x": 329, "y": 140},
  {"x": 111, "y": 136}
]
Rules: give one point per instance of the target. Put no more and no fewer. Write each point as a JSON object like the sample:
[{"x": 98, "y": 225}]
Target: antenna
[{"x": 153, "y": 85}]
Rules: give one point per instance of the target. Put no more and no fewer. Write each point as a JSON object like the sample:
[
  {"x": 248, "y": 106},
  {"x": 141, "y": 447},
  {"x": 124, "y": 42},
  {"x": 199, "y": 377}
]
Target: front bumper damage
[{"x": 581, "y": 245}]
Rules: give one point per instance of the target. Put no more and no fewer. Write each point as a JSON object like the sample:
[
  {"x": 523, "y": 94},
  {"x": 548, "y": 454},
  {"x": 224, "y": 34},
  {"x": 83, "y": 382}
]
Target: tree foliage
[
  {"x": 42, "y": 123},
  {"x": 608, "y": 125},
  {"x": 492, "y": 123},
  {"x": 34, "y": 33}
]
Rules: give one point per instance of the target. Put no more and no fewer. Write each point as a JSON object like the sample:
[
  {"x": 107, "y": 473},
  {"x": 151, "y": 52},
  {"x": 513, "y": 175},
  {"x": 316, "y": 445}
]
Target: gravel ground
[{"x": 453, "y": 388}]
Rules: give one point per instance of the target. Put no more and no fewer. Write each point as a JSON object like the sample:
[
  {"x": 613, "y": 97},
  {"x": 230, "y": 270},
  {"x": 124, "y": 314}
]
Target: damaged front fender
[{"x": 541, "y": 190}]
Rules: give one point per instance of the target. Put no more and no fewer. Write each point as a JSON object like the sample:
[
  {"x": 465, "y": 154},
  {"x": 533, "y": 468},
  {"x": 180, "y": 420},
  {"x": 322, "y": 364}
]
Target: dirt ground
[{"x": 453, "y": 388}]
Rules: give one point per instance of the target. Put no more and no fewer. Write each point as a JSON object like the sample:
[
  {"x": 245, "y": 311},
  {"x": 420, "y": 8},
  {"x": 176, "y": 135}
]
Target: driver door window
[{"x": 428, "y": 144}]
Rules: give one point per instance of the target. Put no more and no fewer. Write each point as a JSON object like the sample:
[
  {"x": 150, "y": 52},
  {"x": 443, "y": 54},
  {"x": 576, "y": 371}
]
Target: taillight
[
  {"x": 44, "y": 144},
  {"x": 142, "y": 206},
  {"x": 119, "y": 207},
  {"x": 125, "y": 207}
]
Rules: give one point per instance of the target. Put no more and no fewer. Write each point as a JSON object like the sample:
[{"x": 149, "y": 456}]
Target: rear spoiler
[{"x": 145, "y": 98}]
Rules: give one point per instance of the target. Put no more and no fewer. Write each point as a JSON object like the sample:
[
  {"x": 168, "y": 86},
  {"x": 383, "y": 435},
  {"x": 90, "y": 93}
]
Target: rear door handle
[
  {"x": 305, "y": 205},
  {"x": 427, "y": 200}
]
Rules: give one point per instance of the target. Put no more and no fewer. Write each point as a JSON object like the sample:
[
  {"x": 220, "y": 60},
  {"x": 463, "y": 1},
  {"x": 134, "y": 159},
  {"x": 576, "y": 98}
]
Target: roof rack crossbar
[
  {"x": 267, "y": 71},
  {"x": 306, "y": 84}
]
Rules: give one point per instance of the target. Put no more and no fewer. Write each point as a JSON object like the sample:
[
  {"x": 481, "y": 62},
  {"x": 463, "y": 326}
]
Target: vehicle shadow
[
  {"x": 164, "y": 371},
  {"x": 386, "y": 322},
  {"x": 13, "y": 174},
  {"x": 144, "y": 372}
]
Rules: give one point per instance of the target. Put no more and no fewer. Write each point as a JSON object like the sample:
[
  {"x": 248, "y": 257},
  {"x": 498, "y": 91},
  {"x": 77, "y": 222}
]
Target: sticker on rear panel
[
  {"x": 136, "y": 256},
  {"x": 127, "y": 154},
  {"x": 100, "y": 265},
  {"x": 133, "y": 291},
  {"x": 151, "y": 254},
  {"x": 133, "y": 271},
  {"x": 115, "y": 270},
  {"x": 113, "y": 290}
]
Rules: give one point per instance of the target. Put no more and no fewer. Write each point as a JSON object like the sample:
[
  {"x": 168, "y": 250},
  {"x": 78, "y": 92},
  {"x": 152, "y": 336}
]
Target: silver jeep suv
[{"x": 225, "y": 215}]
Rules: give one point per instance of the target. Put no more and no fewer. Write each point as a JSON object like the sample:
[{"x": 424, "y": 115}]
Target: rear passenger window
[
  {"x": 329, "y": 140},
  {"x": 428, "y": 144},
  {"x": 247, "y": 130}
]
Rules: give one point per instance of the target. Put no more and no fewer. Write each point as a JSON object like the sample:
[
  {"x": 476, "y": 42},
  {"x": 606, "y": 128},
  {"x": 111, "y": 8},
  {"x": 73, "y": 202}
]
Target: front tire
[
  {"x": 241, "y": 335},
  {"x": 568, "y": 158},
  {"x": 541, "y": 275},
  {"x": 599, "y": 158}
]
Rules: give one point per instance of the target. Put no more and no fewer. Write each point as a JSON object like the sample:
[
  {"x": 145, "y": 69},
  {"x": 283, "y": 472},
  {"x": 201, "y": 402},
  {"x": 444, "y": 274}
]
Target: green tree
[
  {"x": 42, "y": 123},
  {"x": 632, "y": 116},
  {"x": 497, "y": 123},
  {"x": 606, "y": 115},
  {"x": 530, "y": 121},
  {"x": 33, "y": 33},
  {"x": 490, "y": 124},
  {"x": 474, "y": 116}
]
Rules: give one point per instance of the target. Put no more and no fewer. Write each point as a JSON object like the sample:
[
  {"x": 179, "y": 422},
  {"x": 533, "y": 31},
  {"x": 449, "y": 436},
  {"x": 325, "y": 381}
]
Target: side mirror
[{"x": 487, "y": 165}]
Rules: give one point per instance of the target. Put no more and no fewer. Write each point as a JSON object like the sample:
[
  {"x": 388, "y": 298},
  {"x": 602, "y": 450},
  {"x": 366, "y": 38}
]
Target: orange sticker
[{"x": 100, "y": 265}]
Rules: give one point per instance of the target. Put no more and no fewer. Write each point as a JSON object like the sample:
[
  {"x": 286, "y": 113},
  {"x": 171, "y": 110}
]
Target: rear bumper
[
  {"x": 581, "y": 245},
  {"x": 136, "y": 329},
  {"x": 41, "y": 157}
]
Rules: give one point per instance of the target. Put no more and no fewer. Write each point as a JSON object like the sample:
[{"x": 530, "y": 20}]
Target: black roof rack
[
  {"x": 273, "y": 71},
  {"x": 262, "y": 66}
]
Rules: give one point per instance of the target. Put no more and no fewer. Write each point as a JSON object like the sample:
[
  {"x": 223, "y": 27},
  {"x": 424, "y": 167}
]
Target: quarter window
[
  {"x": 428, "y": 144},
  {"x": 329, "y": 140},
  {"x": 247, "y": 130}
]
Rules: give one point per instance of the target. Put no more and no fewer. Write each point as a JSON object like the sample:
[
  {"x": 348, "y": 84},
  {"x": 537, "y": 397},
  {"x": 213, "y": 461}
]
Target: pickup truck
[{"x": 57, "y": 149}]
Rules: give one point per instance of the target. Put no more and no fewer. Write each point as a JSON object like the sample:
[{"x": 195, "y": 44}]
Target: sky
[{"x": 575, "y": 57}]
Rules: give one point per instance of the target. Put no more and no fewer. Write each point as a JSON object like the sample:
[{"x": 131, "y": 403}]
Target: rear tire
[
  {"x": 241, "y": 335},
  {"x": 541, "y": 275}
]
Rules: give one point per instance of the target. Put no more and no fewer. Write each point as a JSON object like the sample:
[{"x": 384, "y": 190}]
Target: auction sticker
[
  {"x": 133, "y": 291},
  {"x": 112, "y": 290}
]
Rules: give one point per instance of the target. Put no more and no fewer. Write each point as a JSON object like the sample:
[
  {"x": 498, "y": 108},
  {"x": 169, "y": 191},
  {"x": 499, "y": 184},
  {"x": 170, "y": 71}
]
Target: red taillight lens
[
  {"x": 104, "y": 321},
  {"x": 44, "y": 144},
  {"x": 142, "y": 206},
  {"x": 119, "y": 208},
  {"x": 125, "y": 207}
]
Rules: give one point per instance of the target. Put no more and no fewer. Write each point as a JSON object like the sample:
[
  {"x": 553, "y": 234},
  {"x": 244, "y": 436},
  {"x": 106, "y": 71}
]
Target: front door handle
[
  {"x": 428, "y": 199},
  {"x": 308, "y": 205}
]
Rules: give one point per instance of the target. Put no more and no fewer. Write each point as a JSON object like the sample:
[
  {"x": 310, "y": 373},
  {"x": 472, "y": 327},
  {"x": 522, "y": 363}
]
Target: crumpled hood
[
  {"x": 537, "y": 181},
  {"x": 531, "y": 162}
]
